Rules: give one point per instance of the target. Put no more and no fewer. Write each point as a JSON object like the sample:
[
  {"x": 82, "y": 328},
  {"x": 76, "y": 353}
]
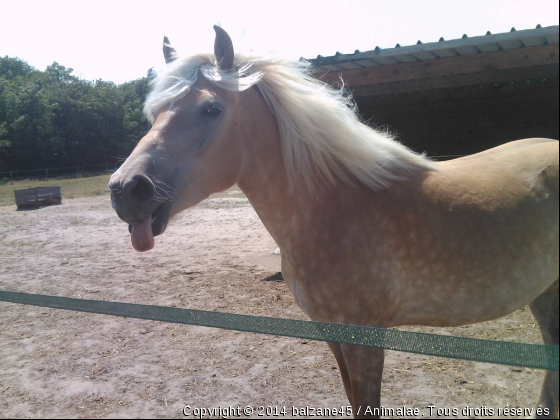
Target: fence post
[
  {"x": 107, "y": 166},
  {"x": 47, "y": 172},
  {"x": 77, "y": 171},
  {"x": 11, "y": 178}
]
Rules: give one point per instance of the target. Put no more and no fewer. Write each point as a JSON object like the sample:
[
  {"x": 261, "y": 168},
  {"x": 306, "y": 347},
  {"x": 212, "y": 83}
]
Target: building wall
[{"x": 468, "y": 120}]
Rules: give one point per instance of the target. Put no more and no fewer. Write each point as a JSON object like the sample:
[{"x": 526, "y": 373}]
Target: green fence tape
[{"x": 500, "y": 352}]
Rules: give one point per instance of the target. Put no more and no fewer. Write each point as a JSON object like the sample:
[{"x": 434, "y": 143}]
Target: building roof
[
  {"x": 421, "y": 52},
  {"x": 526, "y": 56}
]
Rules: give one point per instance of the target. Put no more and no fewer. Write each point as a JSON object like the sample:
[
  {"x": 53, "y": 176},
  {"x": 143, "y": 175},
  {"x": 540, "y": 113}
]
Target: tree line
[{"x": 54, "y": 119}]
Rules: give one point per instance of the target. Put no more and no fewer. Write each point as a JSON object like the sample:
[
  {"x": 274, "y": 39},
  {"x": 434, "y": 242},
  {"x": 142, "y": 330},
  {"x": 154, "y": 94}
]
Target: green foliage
[{"x": 54, "y": 119}]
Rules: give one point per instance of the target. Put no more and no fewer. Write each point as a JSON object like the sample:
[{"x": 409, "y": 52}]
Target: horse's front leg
[
  {"x": 362, "y": 378},
  {"x": 337, "y": 351}
]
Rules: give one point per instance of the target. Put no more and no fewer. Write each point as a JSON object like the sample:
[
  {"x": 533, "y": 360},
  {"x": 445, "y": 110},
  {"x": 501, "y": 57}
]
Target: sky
[{"x": 120, "y": 40}]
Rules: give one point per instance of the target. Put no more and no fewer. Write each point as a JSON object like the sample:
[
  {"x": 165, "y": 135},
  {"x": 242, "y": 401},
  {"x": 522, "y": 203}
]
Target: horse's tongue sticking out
[{"x": 142, "y": 236}]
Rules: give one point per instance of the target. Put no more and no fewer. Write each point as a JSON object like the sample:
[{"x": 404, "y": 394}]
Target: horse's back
[
  {"x": 517, "y": 146},
  {"x": 520, "y": 168},
  {"x": 511, "y": 190}
]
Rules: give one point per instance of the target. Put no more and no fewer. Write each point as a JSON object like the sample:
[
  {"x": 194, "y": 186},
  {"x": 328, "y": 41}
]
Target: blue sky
[{"x": 120, "y": 40}]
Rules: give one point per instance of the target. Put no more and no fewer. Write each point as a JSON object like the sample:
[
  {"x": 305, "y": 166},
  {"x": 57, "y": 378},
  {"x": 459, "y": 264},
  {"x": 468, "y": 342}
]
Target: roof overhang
[{"x": 527, "y": 55}]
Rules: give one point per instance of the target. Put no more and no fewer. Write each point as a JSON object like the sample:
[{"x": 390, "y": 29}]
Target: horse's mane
[{"x": 323, "y": 138}]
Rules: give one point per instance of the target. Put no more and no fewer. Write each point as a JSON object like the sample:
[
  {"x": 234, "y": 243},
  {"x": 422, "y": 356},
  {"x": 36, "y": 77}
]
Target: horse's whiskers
[
  {"x": 162, "y": 199},
  {"x": 155, "y": 180},
  {"x": 163, "y": 191}
]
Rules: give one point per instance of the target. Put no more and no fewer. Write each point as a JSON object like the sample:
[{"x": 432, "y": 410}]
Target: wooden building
[{"x": 453, "y": 98}]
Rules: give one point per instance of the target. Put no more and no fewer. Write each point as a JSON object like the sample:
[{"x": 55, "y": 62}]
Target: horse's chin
[{"x": 160, "y": 218}]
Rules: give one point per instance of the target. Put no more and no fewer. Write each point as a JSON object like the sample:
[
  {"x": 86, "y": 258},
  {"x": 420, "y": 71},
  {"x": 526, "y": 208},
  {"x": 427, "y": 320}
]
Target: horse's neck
[
  {"x": 263, "y": 177},
  {"x": 299, "y": 221},
  {"x": 288, "y": 214}
]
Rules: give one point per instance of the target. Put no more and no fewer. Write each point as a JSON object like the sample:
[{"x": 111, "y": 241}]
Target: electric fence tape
[{"x": 500, "y": 352}]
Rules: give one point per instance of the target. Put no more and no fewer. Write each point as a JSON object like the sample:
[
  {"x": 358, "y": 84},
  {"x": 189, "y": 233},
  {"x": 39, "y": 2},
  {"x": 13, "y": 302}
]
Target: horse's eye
[{"x": 213, "y": 112}]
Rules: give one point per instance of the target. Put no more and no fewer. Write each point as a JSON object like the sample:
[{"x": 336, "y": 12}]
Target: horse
[{"x": 370, "y": 232}]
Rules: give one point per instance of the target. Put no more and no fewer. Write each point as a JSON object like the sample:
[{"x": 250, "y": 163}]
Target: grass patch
[
  {"x": 93, "y": 186},
  {"x": 71, "y": 188}
]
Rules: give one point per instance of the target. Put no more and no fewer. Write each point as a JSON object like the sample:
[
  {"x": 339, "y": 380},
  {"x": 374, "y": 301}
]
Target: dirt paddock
[{"x": 216, "y": 256}]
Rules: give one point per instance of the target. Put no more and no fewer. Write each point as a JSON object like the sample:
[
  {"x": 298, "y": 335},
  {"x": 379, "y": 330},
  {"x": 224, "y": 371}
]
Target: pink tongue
[{"x": 142, "y": 236}]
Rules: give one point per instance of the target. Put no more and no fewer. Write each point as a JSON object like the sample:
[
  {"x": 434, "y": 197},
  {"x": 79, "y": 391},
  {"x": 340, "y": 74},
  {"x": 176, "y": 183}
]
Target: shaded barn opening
[{"x": 458, "y": 97}]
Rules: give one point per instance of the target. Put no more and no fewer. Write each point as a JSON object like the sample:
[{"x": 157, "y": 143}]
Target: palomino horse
[{"x": 370, "y": 232}]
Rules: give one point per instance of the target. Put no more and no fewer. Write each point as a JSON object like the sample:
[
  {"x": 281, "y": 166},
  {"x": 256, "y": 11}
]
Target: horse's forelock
[{"x": 180, "y": 75}]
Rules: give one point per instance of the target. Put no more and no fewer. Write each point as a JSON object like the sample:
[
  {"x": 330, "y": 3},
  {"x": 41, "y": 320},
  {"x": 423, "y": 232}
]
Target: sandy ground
[{"x": 216, "y": 256}]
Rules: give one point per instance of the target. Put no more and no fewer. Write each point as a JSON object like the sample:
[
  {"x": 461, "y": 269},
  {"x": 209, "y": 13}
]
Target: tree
[{"x": 54, "y": 119}]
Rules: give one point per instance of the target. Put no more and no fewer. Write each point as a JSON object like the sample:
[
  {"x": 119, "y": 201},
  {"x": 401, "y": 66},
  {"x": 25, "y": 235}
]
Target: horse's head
[{"x": 193, "y": 149}]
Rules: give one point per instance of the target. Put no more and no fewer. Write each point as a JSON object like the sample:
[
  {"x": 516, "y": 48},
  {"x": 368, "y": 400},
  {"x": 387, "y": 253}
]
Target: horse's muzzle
[{"x": 132, "y": 197}]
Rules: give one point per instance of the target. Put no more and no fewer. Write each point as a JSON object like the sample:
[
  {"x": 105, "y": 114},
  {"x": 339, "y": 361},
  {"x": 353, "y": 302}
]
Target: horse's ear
[
  {"x": 223, "y": 49},
  {"x": 169, "y": 52}
]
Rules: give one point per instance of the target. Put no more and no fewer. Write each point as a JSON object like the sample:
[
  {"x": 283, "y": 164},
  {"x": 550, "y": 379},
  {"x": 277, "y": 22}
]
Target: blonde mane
[{"x": 323, "y": 138}]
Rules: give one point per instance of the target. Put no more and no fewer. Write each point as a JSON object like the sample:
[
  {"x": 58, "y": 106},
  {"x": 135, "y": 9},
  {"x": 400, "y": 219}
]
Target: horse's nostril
[{"x": 140, "y": 188}]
